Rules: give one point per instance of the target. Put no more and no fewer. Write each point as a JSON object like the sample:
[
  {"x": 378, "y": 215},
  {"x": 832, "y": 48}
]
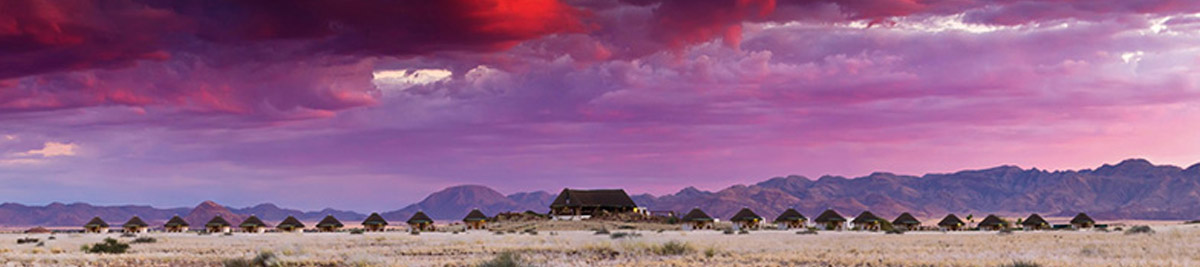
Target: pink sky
[{"x": 371, "y": 105}]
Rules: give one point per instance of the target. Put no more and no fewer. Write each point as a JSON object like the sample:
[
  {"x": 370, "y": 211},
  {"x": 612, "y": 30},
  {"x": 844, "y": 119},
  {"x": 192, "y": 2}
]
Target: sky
[{"x": 371, "y": 105}]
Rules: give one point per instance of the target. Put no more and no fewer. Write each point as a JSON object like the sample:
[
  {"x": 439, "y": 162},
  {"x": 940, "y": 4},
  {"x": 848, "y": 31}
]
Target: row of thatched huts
[
  {"x": 831, "y": 220},
  {"x": 418, "y": 222}
]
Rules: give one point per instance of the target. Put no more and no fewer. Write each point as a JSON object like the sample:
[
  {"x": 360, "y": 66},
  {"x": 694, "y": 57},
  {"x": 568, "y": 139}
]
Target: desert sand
[{"x": 1170, "y": 245}]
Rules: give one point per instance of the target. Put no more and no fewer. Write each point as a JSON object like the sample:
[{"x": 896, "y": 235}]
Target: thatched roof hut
[
  {"x": 993, "y": 222},
  {"x": 96, "y": 225},
  {"x": 1035, "y": 222},
  {"x": 906, "y": 220},
  {"x": 790, "y": 215},
  {"x": 290, "y": 224},
  {"x": 571, "y": 202},
  {"x": 474, "y": 216},
  {"x": 38, "y": 230},
  {"x": 475, "y": 219},
  {"x": 135, "y": 222},
  {"x": 697, "y": 215},
  {"x": 217, "y": 221},
  {"x": 96, "y": 222},
  {"x": 374, "y": 222},
  {"x": 329, "y": 224},
  {"x": 829, "y": 216},
  {"x": 746, "y": 215},
  {"x": 868, "y": 221},
  {"x": 1082, "y": 220},
  {"x": 175, "y": 222},
  {"x": 217, "y": 224},
  {"x": 253, "y": 221},
  {"x": 951, "y": 222},
  {"x": 420, "y": 221}
]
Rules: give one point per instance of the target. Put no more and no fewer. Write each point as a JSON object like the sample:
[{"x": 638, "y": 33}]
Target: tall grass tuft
[
  {"x": 264, "y": 259},
  {"x": 109, "y": 246},
  {"x": 1021, "y": 263},
  {"x": 505, "y": 259},
  {"x": 672, "y": 248}
]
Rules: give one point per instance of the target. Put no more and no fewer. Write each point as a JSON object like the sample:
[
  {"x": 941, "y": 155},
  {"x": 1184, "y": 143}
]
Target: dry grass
[{"x": 1170, "y": 245}]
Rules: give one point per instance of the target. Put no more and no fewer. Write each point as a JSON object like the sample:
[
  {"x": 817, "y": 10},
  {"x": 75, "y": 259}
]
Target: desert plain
[{"x": 1169, "y": 245}]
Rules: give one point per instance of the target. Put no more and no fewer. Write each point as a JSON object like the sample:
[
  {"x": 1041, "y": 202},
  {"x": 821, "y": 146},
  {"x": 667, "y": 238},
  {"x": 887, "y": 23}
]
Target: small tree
[
  {"x": 110, "y": 246},
  {"x": 971, "y": 219}
]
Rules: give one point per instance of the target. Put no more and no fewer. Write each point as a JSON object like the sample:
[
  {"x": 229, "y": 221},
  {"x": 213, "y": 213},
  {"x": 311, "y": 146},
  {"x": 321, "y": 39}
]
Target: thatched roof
[
  {"x": 217, "y": 221},
  {"x": 991, "y": 220},
  {"x": 96, "y": 222},
  {"x": 253, "y": 221},
  {"x": 375, "y": 219},
  {"x": 696, "y": 215},
  {"x": 37, "y": 230},
  {"x": 176, "y": 221},
  {"x": 790, "y": 215},
  {"x": 745, "y": 215},
  {"x": 1082, "y": 218},
  {"x": 290, "y": 222},
  {"x": 951, "y": 220},
  {"x": 136, "y": 221},
  {"x": 593, "y": 198},
  {"x": 1034, "y": 220},
  {"x": 829, "y": 216},
  {"x": 867, "y": 217},
  {"x": 905, "y": 219},
  {"x": 474, "y": 216},
  {"x": 419, "y": 217},
  {"x": 329, "y": 221}
]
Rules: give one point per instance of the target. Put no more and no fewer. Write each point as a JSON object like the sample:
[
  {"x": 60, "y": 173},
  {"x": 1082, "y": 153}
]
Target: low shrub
[
  {"x": 728, "y": 231},
  {"x": 1021, "y": 263},
  {"x": 414, "y": 232},
  {"x": 144, "y": 239},
  {"x": 263, "y": 259},
  {"x": 356, "y": 231},
  {"x": 51, "y": 238},
  {"x": 504, "y": 259},
  {"x": 894, "y": 231},
  {"x": 26, "y": 240},
  {"x": 672, "y": 248},
  {"x": 1005, "y": 231},
  {"x": 128, "y": 235},
  {"x": 619, "y": 235},
  {"x": 626, "y": 227},
  {"x": 743, "y": 232},
  {"x": 710, "y": 252},
  {"x": 1140, "y": 229},
  {"x": 602, "y": 231},
  {"x": 109, "y": 246},
  {"x": 807, "y": 232}
]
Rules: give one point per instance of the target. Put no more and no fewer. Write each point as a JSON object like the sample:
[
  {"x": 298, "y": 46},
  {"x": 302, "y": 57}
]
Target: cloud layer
[{"x": 541, "y": 94}]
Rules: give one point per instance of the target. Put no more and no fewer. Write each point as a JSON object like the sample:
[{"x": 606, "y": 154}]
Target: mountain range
[{"x": 1131, "y": 189}]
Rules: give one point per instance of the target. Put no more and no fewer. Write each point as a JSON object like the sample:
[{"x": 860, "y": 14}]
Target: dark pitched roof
[
  {"x": 866, "y": 217},
  {"x": 991, "y": 220},
  {"x": 696, "y": 215},
  {"x": 328, "y": 221},
  {"x": 96, "y": 222},
  {"x": 135, "y": 221},
  {"x": 951, "y": 220},
  {"x": 290, "y": 222},
  {"x": 906, "y": 218},
  {"x": 745, "y": 215},
  {"x": 474, "y": 216},
  {"x": 176, "y": 221},
  {"x": 252, "y": 221},
  {"x": 375, "y": 219},
  {"x": 790, "y": 215},
  {"x": 419, "y": 217},
  {"x": 38, "y": 230},
  {"x": 829, "y": 216},
  {"x": 217, "y": 221},
  {"x": 1034, "y": 220},
  {"x": 1082, "y": 218},
  {"x": 593, "y": 198}
]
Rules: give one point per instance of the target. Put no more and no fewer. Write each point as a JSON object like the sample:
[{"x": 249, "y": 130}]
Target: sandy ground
[{"x": 1171, "y": 245}]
